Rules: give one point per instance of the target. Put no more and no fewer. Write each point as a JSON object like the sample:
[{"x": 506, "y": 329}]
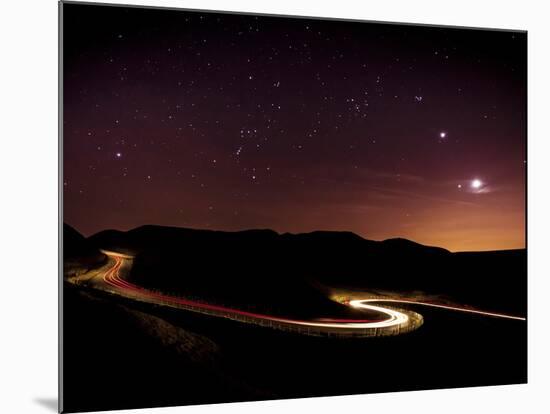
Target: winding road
[{"x": 396, "y": 321}]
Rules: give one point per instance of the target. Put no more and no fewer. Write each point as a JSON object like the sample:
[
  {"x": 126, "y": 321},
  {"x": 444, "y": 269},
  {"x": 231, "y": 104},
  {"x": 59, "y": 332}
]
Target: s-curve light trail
[{"x": 394, "y": 321}]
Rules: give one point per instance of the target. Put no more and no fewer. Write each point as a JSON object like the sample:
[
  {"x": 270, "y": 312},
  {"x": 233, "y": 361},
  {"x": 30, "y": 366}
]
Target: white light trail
[{"x": 360, "y": 304}]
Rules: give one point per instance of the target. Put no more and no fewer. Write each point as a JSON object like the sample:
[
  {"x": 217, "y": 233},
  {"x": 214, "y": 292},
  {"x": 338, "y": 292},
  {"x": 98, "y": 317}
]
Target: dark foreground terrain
[{"x": 124, "y": 354}]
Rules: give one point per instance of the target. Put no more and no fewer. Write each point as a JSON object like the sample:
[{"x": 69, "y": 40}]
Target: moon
[{"x": 476, "y": 183}]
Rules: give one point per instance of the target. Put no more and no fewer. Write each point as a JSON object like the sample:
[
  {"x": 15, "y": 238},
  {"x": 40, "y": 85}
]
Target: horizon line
[{"x": 297, "y": 233}]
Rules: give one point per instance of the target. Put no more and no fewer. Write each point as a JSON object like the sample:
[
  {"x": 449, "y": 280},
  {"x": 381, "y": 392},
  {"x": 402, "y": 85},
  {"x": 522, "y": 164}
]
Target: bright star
[
  {"x": 442, "y": 134},
  {"x": 476, "y": 183}
]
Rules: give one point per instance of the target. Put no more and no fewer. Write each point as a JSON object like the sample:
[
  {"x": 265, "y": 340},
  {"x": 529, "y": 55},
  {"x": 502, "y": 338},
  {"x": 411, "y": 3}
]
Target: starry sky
[{"x": 230, "y": 122}]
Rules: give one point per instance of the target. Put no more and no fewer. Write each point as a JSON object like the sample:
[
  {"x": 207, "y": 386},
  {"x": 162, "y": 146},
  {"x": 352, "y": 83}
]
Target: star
[
  {"x": 118, "y": 154},
  {"x": 442, "y": 135}
]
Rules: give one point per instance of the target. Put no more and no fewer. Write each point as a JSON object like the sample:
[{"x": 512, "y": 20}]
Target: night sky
[{"x": 231, "y": 122}]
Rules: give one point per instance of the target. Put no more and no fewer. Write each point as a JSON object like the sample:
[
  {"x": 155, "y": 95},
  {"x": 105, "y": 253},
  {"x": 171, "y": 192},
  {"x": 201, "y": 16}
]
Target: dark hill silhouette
[
  {"x": 79, "y": 253},
  {"x": 266, "y": 270},
  {"x": 408, "y": 246},
  {"x": 147, "y": 236},
  {"x": 76, "y": 245}
]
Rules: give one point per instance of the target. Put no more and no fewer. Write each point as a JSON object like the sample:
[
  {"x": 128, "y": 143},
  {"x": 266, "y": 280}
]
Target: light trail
[
  {"x": 395, "y": 321},
  {"x": 112, "y": 277},
  {"x": 361, "y": 304}
]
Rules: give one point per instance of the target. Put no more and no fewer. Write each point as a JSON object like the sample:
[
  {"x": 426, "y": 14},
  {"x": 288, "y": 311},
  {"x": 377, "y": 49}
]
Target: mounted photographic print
[{"x": 263, "y": 207}]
